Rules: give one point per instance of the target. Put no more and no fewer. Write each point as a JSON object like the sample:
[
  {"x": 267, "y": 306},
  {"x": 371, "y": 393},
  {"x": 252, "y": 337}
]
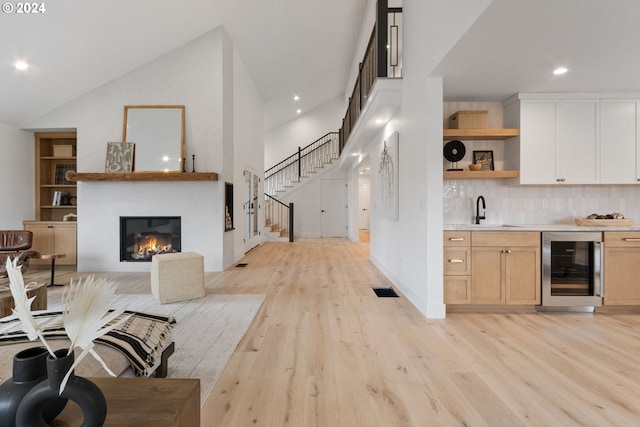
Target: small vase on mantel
[
  {"x": 79, "y": 390},
  {"x": 29, "y": 369}
]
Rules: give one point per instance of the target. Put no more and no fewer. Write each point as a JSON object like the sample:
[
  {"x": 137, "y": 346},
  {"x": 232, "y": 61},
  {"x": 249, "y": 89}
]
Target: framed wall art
[
  {"x": 485, "y": 158},
  {"x": 61, "y": 169},
  {"x": 120, "y": 156},
  {"x": 388, "y": 200}
]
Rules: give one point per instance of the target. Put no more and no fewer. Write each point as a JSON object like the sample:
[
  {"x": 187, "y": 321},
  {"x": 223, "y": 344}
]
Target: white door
[
  {"x": 364, "y": 200},
  {"x": 333, "y": 208}
]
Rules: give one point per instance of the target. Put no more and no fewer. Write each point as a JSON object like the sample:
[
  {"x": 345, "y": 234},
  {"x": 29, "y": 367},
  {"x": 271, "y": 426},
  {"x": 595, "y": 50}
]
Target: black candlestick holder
[{"x": 193, "y": 159}]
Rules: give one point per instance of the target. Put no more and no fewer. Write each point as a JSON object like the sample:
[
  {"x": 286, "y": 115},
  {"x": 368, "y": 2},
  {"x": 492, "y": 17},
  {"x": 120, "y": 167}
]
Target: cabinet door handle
[
  {"x": 508, "y": 251},
  {"x": 456, "y": 261},
  {"x": 49, "y": 226},
  {"x": 631, "y": 239},
  {"x": 456, "y": 239}
]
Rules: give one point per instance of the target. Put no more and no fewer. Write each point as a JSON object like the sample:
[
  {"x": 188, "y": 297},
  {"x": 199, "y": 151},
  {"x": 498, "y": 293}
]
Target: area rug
[{"x": 206, "y": 334}]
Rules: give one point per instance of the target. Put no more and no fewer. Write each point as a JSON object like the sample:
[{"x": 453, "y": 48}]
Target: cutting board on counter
[{"x": 625, "y": 222}]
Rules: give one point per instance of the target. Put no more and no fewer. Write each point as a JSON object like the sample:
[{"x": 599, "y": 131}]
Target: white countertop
[{"x": 533, "y": 227}]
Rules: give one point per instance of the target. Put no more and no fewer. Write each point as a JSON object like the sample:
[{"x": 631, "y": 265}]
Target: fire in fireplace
[{"x": 143, "y": 237}]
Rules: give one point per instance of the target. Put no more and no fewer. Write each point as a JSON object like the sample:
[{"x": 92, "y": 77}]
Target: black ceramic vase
[
  {"x": 29, "y": 369},
  {"x": 79, "y": 390}
]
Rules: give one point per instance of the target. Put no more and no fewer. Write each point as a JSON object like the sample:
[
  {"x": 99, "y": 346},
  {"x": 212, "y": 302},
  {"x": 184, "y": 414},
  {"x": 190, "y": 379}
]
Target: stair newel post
[
  {"x": 299, "y": 163},
  {"x": 291, "y": 222}
]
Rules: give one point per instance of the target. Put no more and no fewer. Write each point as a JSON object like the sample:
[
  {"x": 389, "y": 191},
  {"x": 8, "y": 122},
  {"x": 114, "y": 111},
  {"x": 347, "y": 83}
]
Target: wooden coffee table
[
  {"x": 53, "y": 258},
  {"x": 142, "y": 402}
]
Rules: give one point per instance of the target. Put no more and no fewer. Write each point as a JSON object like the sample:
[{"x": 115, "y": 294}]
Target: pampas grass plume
[{"x": 22, "y": 304}]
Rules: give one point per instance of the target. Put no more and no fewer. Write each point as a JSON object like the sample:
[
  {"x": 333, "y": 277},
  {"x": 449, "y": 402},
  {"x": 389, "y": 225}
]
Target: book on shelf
[
  {"x": 56, "y": 198},
  {"x": 61, "y": 198}
]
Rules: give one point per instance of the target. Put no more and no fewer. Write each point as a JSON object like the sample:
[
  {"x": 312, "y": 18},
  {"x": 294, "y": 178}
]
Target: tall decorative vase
[
  {"x": 29, "y": 369},
  {"x": 79, "y": 390}
]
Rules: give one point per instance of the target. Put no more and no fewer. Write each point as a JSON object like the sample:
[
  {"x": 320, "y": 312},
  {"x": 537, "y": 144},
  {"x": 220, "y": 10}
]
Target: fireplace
[{"x": 142, "y": 237}]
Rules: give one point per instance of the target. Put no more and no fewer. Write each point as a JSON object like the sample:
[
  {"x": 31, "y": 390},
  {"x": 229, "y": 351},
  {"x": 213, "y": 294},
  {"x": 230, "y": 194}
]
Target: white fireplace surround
[{"x": 199, "y": 204}]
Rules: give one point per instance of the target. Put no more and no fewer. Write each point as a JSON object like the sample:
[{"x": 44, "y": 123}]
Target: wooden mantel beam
[{"x": 142, "y": 176}]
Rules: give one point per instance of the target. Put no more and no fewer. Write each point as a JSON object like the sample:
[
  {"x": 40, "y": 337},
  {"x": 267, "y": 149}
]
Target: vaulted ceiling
[
  {"x": 303, "y": 47},
  {"x": 306, "y": 47}
]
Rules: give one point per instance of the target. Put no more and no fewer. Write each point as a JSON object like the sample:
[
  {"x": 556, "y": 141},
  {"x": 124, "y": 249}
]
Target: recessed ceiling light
[
  {"x": 560, "y": 70},
  {"x": 296, "y": 97},
  {"x": 21, "y": 65}
]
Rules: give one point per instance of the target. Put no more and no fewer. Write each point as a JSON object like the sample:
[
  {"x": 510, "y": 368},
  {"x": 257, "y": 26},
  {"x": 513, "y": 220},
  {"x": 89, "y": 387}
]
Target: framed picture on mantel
[{"x": 485, "y": 158}]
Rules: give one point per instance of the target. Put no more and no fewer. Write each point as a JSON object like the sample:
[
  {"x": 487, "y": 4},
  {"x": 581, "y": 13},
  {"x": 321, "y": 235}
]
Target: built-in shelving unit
[
  {"x": 55, "y": 154},
  {"x": 143, "y": 176},
  {"x": 480, "y": 135}
]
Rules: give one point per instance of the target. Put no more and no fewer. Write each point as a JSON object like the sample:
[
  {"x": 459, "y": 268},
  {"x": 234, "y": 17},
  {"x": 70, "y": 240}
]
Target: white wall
[
  {"x": 308, "y": 204},
  {"x": 409, "y": 251},
  {"x": 16, "y": 176},
  {"x": 284, "y": 140},
  {"x": 198, "y": 75},
  {"x": 249, "y": 146}
]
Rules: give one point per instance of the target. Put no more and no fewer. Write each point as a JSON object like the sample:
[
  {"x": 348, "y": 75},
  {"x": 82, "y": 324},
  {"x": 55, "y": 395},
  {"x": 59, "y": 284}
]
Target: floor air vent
[
  {"x": 385, "y": 292},
  {"x": 242, "y": 265}
]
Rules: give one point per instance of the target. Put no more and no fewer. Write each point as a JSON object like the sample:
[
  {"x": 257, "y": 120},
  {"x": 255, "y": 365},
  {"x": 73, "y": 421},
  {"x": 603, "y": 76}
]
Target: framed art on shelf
[
  {"x": 120, "y": 157},
  {"x": 59, "y": 177},
  {"x": 485, "y": 158}
]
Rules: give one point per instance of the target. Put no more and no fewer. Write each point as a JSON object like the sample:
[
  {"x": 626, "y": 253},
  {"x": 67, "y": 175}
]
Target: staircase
[{"x": 290, "y": 173}]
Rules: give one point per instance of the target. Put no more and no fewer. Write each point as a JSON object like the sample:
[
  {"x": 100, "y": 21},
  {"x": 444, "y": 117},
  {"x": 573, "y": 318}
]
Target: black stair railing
[
  {"x": 277, "y": 214},
  {"x": 382, "y": 58},
  {"x": 299, "y": 165}
]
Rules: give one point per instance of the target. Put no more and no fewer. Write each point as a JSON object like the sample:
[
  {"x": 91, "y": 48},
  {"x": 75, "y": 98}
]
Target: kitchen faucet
[{"x": 484, "y": 207}]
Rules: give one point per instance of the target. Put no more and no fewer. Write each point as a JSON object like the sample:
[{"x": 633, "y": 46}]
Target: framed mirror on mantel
[{"x": 158, "y": 134}]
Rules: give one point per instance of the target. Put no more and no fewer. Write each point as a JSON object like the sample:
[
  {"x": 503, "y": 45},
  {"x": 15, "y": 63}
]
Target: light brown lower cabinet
[
  {"x": 621, "y": 268},
  {"x": 457, "y": 267},
  {"x": 54, "y": 237},
  {"x": 503, "y": 268}
]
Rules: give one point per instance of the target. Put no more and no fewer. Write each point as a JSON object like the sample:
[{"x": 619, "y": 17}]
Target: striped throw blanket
[{"x": 141, "y": 338}]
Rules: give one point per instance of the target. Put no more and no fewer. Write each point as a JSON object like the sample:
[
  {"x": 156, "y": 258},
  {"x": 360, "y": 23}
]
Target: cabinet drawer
[
  {"x": 457, "y": 238},
  {"x": 457, "y": 289},
  {"x": 456, "y": 261},
  {"x": 621, "y": 239},
  {"x": 505, "y": 238}
]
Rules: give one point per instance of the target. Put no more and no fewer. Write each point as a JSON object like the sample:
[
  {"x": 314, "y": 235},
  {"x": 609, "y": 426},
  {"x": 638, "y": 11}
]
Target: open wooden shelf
[
  {"x": 481, "y": 174},
  {"x": 480, "y": 134},
  {"x": 143, "y": 176}
]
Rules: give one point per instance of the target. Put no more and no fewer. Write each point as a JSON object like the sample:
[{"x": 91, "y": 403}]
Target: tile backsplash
[{"x": 518, "y": 204}]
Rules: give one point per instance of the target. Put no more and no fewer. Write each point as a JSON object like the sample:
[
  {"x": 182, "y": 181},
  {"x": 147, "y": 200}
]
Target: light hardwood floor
[{"x": 325, "y": 351}]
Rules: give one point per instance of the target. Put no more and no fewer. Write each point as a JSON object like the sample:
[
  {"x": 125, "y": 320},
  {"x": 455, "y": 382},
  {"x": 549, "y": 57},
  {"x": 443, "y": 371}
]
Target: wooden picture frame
[{"x": 485, "y": 158}]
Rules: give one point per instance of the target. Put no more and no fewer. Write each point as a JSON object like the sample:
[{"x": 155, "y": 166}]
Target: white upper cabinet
[
  {"x": 577, "y": 138},
  {"x": 577, "y": 143},
  {"x": 538, "y": 142},
  {"x": 618, "y": 142}
]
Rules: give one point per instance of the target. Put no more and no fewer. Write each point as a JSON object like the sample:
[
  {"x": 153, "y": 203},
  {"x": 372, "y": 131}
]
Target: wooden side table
[
  {"x": 142, "y": 402},
  {"x": 53, "y": 258},
  {"x": 40, "y": 303}
]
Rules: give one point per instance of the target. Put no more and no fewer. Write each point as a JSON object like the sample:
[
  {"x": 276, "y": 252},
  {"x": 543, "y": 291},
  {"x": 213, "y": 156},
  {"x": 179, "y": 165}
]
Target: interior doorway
[
  {"x": 363, "y": 218},
  {"x": 333, "y": 208}
]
